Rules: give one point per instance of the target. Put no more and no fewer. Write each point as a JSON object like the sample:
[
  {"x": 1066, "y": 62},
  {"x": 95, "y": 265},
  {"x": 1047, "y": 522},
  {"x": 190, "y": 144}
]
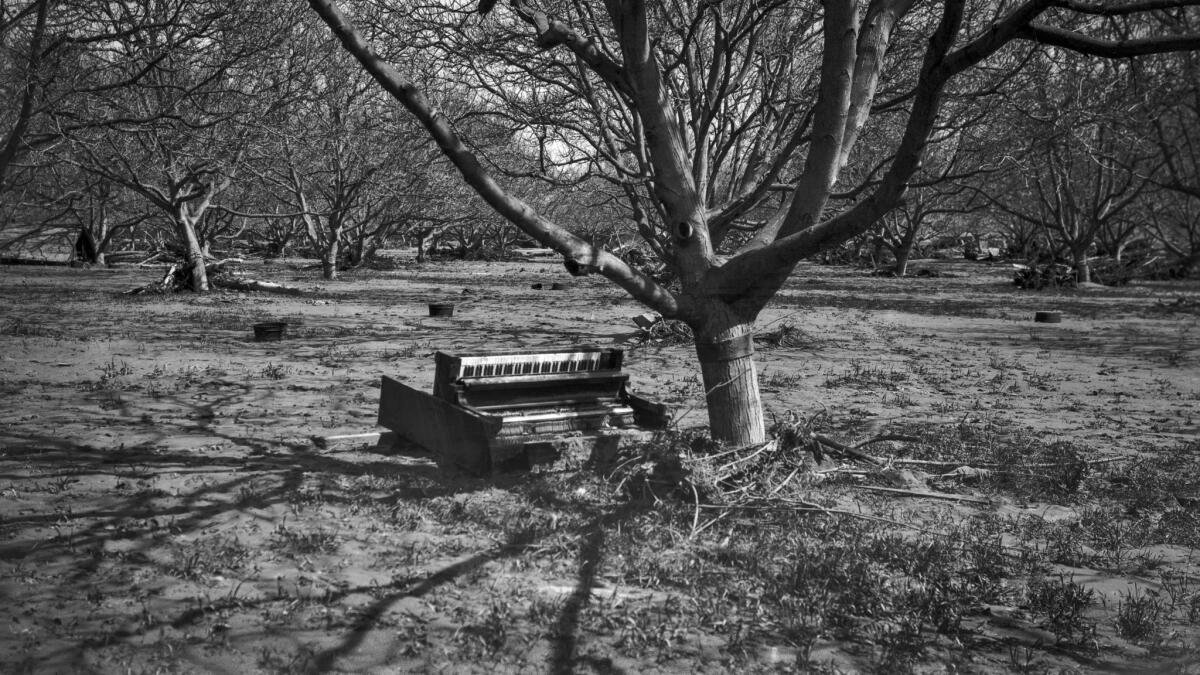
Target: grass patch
[{"x": 867, "y": 376}]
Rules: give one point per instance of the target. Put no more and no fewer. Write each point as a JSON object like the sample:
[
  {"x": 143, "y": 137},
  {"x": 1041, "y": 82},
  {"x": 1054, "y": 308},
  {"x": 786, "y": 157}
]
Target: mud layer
[{"x": 164, "y": 509}]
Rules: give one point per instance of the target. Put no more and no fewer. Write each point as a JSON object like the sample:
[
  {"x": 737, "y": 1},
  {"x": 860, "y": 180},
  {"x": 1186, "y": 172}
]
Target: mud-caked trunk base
[{"x": 731, "y": 390}]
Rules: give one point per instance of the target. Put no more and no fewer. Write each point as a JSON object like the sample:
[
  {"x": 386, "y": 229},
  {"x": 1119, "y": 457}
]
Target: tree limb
[
  {"x": 1109, "y": 49},
  {"x": 637, "y": 284}
]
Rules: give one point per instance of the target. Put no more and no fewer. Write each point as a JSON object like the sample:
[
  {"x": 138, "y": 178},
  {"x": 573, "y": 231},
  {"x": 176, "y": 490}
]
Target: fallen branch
[
  {"x": 847, "y": 450},
  {"x": 925, "y": 493},
  {"x": 255, "y": 285},
  {"x": 994, "y": 465},
  {"x": 149, "y": 261},
  {"x": 219, "y": 265},
  {"x": 965, "y": 472},
  {"x": 924, "y": 462},
  {"x": 887, "y": 437},
  {"x": 787, "y": 480},
  {"x": 368, "y": 438}
]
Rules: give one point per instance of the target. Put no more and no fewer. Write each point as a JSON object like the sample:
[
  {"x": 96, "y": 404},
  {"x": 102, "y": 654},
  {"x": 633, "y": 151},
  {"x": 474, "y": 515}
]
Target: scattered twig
[
  {"x": 785, "y": 481},
  {"x": 887, "y": 437},
  {"x": 994, "y": 465},
  {"x": 736, "y": 450},
  {"x": 696, "y": 514},
  {"x": 369, "y": 438},
  {"x": 925, "y": 493},
  {"x": 148, "y": 261},
  {"x": 924, "y": 462},
  {"x": 847, "y": 450}
]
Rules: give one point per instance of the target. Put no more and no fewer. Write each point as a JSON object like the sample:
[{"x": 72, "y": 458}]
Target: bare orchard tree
[
  {"x": 189, "y": 77},
  {"x": 925, "y": 213},
  {"x": 1079, "y": 169},
  {"x": 59, "y": 202},
  {"x": 1170, "y": 92},
  {"x": 937, "y": 199},
  {"x": 719, "y": 124},
  {"x": 1173, "y": 220},
  {"x": 95, "y": 212},
  {"x": 343, "y": 159}
]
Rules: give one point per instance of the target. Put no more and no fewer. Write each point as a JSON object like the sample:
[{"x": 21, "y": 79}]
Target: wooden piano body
[{"x": 503, "y": 411}]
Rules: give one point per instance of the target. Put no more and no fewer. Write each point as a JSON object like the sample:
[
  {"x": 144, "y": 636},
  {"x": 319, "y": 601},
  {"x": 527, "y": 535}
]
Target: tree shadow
[
  {"x": 241, "y": 485},
  {"x": 564, "y": 656}
]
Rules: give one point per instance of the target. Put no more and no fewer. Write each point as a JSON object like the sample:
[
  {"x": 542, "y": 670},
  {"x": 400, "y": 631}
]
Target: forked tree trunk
[
  {"x": 726, "y": 356},
  {"x": 329, "y": 261}
]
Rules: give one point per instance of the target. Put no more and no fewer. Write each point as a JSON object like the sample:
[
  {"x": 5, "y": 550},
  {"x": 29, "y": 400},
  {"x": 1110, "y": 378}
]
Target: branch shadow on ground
[{"x": 235, "y": 489}]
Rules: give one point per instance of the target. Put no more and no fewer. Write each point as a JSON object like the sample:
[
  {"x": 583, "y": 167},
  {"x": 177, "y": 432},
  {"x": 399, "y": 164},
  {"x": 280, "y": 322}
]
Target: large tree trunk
[
  {"x": 329, "y": 261},
  {"x": 726, "y": 355},
  {"x": 102, "y": 241},
  {"x": 193, "y": 253},
  {"x": 1083, "y": 271},
  {"x": 902, "y": 255},
  {"x": 85, "y": 247},
  {"x": 423, "y": 237},
  {"x": 904, "y": 251}
]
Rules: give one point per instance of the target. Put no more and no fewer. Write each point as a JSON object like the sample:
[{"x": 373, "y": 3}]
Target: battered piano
[{"x": 503, "y": 411}]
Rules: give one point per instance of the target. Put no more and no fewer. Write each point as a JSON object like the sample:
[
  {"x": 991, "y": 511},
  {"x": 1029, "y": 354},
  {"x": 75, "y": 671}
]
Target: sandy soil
[{"x": 162, "y": 507}]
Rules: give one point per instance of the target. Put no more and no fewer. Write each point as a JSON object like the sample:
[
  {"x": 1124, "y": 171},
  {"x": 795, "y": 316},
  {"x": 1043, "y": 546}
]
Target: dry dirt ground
[{"x": 163, "y": 509}]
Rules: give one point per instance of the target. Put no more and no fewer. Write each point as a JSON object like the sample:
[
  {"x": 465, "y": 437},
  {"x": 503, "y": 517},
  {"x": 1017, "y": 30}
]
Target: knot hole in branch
[{"x": 683, "y": 232}]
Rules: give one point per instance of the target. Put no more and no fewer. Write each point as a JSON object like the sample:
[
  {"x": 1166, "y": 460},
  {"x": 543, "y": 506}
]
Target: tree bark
[
  {"x": 725, "y": 350},
  {"x": 85, "y": 247},
  {"x": 329, "y": 261},
  {"x": 193, "y": 253},
  {"x": 904, "y": 251},
  {"x": 422, "y": 238},
  {"x": 1083, "y": 271},
  {"x": 15, "y": 137}
]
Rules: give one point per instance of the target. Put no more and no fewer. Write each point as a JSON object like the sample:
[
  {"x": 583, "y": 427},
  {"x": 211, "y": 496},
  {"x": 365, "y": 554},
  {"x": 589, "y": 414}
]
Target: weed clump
[
  {"x": 1140, "y": 616},
  {"x": 1015, "y": 462},
  {"x": 1063, "y": 603}
]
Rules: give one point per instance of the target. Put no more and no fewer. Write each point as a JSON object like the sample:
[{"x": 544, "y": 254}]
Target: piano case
[{"x": 507, "y": 411}]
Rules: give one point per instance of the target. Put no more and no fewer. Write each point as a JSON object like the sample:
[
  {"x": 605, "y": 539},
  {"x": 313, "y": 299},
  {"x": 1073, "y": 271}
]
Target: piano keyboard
[{"x": 532, "y": 364}]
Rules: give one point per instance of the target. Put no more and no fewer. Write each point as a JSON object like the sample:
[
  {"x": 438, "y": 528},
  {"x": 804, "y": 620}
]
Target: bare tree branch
[
  {"x": 1110, "y": 49},
  {"x": 516, "y": 211}
]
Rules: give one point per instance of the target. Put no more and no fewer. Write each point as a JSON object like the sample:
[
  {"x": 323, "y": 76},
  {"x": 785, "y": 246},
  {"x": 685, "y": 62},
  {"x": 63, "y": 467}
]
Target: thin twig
[
  {"x": 922, "y": 493},
  {"x": 887, "y": 437},
  {"x": 847, "y": 450},
  {"x": 751, "y": 456},
  {"x": 995, "y": 465},
  {"x": 696, "y": 514},
  {"x": 787, "y": 480},
  {"x": 735, "y": 450}
]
